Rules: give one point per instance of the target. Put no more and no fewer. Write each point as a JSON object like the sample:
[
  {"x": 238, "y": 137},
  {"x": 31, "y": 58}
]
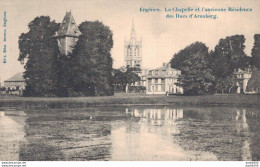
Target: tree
[
  {"x": 119, "y": 79},
  {"x": 196, "y": 78},
  {"x": 225, "y": 84},
  {"x": 125, "y": 76},
  {"x": 228, "y": 55},
  {"x": 91, "y": 61},
  {"x": 41, "y": 52},
  {"x": 132, "y": 75},
  {"x": 256, "y": 51}
]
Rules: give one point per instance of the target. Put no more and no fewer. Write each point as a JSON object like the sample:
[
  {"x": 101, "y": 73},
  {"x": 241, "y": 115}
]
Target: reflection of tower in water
[
  {"x": 253, "y": 117},
  {"x": 241, "y": 123},
  {"x": 242, "y": 127}
]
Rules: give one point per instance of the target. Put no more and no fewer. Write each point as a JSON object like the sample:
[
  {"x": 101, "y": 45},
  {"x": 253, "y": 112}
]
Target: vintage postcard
[{"x": 129, "y": 80}]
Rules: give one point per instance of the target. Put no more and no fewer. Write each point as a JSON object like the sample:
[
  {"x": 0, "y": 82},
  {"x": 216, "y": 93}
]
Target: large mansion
[{"x": 163, "y": 80}]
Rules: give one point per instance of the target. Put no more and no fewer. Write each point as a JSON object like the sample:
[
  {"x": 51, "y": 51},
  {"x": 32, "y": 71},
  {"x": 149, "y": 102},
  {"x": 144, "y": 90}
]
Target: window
[
  {"x": 156, "y": 72},
  {"x": 163, "y": 81},
  {"x": 149, "y": 88},
  {"x": 163, "y": 88},
  {"x": 156, "y": 81},
  {"x": 152, "y": 88}
]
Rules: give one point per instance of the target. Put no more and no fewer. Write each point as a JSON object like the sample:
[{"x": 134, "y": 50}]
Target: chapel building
[{"x": 133, "y": 50}]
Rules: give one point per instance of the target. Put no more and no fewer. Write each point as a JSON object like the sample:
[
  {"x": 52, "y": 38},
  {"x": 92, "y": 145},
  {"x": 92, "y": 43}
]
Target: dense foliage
[
  {"x": 91, "y": 61},
  {"x": 204, "y": 72},
  {"x": 196, "y": 77},
  {"x": 124, "y": 77},
  {"x": 87, "y": 71},
  {"x": 40, "y": 53},
  {"x": 256, "y": 51},
  {"x": 228, "y": 55}
]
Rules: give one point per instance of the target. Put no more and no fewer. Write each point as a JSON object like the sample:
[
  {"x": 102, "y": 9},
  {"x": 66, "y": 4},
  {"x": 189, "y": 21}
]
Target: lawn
[{"x": 129, "y": 99}]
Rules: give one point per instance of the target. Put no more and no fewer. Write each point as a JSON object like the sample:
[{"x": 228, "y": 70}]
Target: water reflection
[
  {"x": 241, "y": 123},
  {"x": 228, "y": 135},
  {"x": 131, "y": 133},
  {"x": 154, "y": 140},
  {"x": 242, "y": 127},
  {"x": 11, "y": 134}
]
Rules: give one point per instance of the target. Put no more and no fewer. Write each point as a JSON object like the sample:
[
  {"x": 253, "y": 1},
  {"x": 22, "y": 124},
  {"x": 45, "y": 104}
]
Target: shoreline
[{"x": 123, "y": 99}]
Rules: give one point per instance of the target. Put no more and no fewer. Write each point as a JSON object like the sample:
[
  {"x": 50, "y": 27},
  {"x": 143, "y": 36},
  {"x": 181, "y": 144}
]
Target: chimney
[{"x": 164, "y": 64}]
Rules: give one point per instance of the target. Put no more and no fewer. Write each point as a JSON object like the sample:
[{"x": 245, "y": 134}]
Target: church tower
[
  {"x": 68, "y": 34},
  {"x": 133, "y": 50}
]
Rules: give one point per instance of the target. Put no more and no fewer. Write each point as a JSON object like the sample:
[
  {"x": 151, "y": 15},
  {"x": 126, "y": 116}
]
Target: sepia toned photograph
[{"x": 140, "y": 80}]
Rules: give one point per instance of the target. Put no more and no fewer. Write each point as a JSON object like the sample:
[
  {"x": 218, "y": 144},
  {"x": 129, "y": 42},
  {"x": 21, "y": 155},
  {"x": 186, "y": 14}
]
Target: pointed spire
[
  {"x": 133, "y": 34},
  {"x": 133, "y": 26}
]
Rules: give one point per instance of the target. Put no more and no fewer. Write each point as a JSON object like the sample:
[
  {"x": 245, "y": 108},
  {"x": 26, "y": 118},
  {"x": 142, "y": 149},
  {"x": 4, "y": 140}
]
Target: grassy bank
[{"x": 130, "y": 99}]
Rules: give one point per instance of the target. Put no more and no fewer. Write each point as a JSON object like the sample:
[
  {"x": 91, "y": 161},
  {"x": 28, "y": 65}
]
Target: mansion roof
[
  {"x": 18, "y": 77},
  {"x": 164, "y": 72}
]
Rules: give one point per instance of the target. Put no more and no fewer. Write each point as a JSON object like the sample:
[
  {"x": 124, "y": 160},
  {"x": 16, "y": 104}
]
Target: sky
[{"x": 162, "y": 37}]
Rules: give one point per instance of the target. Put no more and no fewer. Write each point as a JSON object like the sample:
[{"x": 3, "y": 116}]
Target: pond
[{"x": 131, "y": 133}]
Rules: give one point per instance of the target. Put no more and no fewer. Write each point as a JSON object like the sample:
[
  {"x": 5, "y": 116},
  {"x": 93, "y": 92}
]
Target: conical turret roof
[{"x": 68, "y": 27}]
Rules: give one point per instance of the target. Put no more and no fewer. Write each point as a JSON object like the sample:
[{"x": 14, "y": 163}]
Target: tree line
[
  {"x": 207, "y": 72},
  {"x": 88, "y": 71}
]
